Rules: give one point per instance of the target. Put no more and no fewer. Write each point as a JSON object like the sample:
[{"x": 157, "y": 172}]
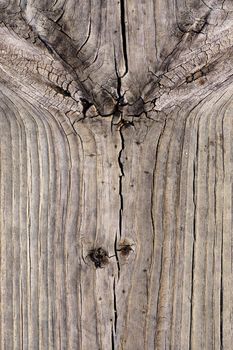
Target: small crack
[
  {"x": 116, "y": 255},
  {"x": 206, "y": 4},
  {"x": 86, "y": 40},
  {"x": 59, "y": 17},
  {"x": 47, "y": 45}
]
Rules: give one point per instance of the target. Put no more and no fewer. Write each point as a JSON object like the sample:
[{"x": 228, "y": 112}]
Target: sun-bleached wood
[{"x": 116, "y": 132}]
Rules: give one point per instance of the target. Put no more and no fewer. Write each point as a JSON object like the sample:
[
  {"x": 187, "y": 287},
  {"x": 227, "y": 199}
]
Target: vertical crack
[
  {"x": 114, "y": 307},
  {"x": 221, "y": 307},
  {"x": 116, "y": 255},
  {"x": 120, "y": 180},
  {"x": 194, "y": 244},
  {"x": 81, "y": 313},
  {"x": 113, "y": 340},
  {"x": 221, "y": 297},
  {"x": 120, "y": 101},
  {"x": 222, "y": 241},
  {"x": 123, "y": 33},
  {"x": 120, "y": 96},
  {"x": 191, "y": 296}
]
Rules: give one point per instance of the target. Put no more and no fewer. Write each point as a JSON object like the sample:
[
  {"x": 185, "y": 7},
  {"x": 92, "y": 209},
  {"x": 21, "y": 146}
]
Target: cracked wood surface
[{"x": 116, "y": 174}]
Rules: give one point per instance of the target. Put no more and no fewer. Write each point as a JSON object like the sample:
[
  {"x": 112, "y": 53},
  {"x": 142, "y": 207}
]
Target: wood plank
[{"x": 116, "y": 175}]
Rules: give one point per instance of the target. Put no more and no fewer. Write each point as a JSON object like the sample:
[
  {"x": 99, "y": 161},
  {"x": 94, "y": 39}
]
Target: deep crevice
[
  {"x": 120, "y": 97},
  {"x": 221, "y": 298},
  {"x": 194, "y": 245},
  {"x": 61, "y": 91},
  {"x": 123, "y": 33},
  {"x": 86, "y": 105},
  {"x": 120, "y": 180},
  {"x": 113, "y": 340},
  {"x": 120, "y": 101},
  {"x": 115, "y": 305}
]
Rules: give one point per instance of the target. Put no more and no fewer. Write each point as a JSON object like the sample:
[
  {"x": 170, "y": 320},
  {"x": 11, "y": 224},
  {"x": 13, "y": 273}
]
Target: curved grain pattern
[{"x": 38, "y": 222}]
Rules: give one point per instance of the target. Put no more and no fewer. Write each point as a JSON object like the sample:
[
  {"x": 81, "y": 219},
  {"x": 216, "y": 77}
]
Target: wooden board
[{"x": 116, "y": 167}]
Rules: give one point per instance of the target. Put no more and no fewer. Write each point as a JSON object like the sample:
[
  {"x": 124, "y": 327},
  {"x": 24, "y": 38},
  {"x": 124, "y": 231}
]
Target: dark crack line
[
  {"x": 62, "y": 91},
  {"x": 221, "y": 297},
  {"x": 191, "y": 295},
  {"x": 194, "y": 242},
  {"x": 86, "y": 105},
  {"x": 113, "y": 339},
  {"x": 222, "y": 260},
  {"x": 86, "y": 40},
  {"x": 115, "y": 306},
  {"x": 120, "y": 180},
  {"x": 120, "y": 97},
  {"x": 116, "y": 255},
  {"x": 123, "y": 33}
]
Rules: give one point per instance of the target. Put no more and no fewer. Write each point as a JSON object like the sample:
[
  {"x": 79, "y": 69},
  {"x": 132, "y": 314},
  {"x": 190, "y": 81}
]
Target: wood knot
[
  {"x": 125, "y": 248},
  {"x": 99, "y": 257}
]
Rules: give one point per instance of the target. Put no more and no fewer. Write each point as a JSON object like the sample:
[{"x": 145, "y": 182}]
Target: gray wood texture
[{"x": 116, "y": 165}]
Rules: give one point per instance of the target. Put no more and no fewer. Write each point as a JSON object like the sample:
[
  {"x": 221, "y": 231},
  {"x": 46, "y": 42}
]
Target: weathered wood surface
[{"x": 116, "y": 132}]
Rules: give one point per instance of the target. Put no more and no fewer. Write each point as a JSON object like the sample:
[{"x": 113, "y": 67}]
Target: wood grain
[{"x": 115, "y": 133}]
